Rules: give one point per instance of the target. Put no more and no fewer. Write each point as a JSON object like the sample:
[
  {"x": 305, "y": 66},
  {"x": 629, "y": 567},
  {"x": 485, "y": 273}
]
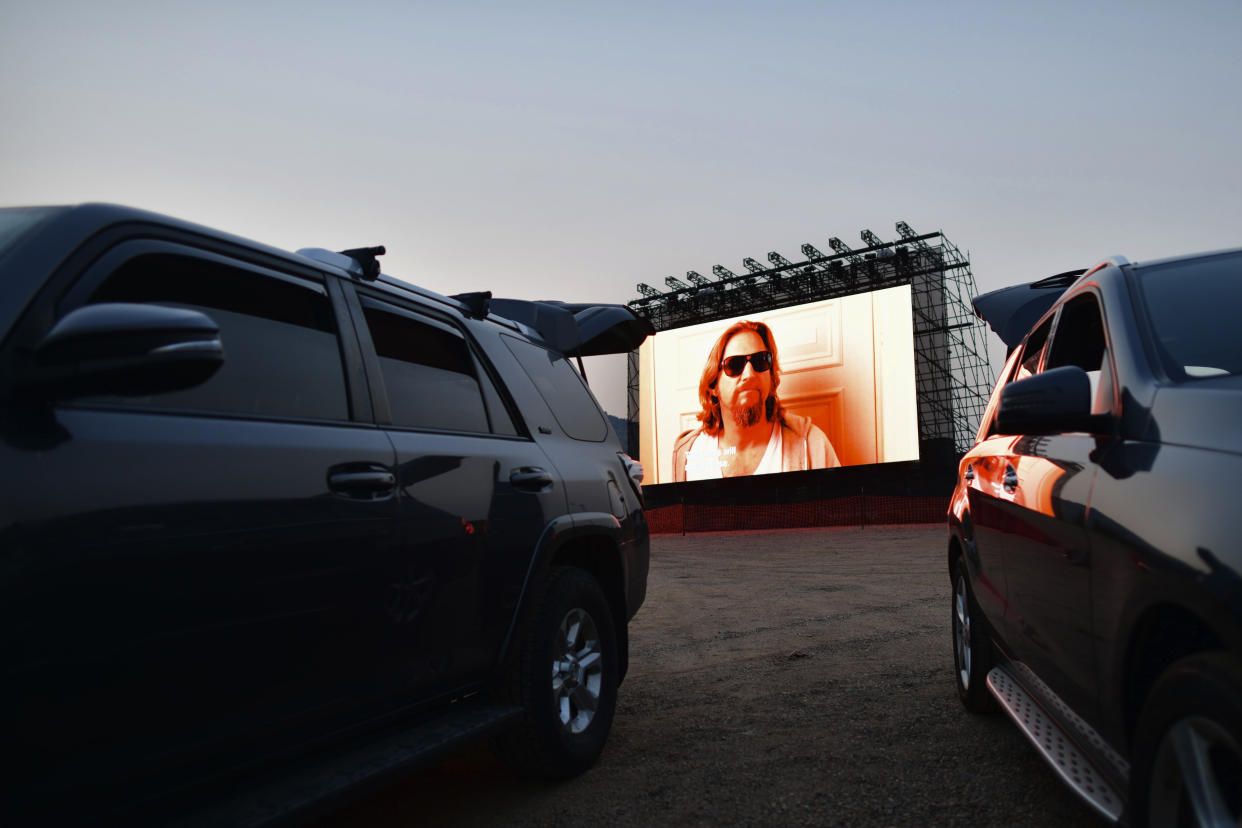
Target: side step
[
  {"x": 1054, "y": 745},
  {"x": 331, "y": 776}
]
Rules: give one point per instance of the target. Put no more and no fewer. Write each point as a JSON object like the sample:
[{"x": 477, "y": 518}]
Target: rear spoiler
[
  {"x": 573, "y": 329},
  {"x": 1011, "y": 311}
]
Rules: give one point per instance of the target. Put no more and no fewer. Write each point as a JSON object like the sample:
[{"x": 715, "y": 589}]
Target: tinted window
[
  {"x": 1193, "y": 308},
  {"x": 562, "y": 388},
  {"x": 1032, "y": 351},
  {"x": 1079, "y": 339},
  {"x": 429, "y": 373},
  {"x": 989, "y": 414},
  {"x": 497, "y": 411},
  {"x": 282, "y": 358}
]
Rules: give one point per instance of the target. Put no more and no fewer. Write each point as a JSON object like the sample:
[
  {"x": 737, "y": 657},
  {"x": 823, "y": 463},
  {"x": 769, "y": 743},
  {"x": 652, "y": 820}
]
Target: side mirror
[
  {"x": 1053, "y": 402},
  {"x": 125, "y": 349}
]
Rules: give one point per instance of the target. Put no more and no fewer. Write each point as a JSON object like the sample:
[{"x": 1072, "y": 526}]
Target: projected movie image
[{"x": 814, "y": 386}]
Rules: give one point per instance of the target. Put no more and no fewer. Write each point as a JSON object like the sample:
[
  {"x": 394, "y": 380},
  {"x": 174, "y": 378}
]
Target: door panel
[
  {"x": 1048, "y": 564},
  {"x": 197, "y": 566},
  {"x": 988, "y": 500},
  {"x": 470, "y": 521},
  {"x": 188, "y": 582}
]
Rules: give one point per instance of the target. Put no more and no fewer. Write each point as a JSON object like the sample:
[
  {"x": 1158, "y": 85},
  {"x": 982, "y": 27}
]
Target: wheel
[
  {"x": 565, "y": 679},
  {"x": 1187, "y": 764},
  {"x": 972, "y": 651}
]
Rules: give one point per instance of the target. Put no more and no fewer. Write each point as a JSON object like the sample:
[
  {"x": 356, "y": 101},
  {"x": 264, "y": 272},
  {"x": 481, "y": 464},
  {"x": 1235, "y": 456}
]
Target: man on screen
[{"x": 745, "y": 430}]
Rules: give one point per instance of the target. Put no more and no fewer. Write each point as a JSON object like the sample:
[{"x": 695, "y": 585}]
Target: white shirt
[{"x": 706, "y": 461}]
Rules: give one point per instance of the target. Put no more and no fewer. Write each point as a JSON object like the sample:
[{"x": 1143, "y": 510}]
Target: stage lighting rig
[
  {"x": 907, "y": 233},
  {"x": 844, "y": 249},
  {"x": 870, "y": 238}
]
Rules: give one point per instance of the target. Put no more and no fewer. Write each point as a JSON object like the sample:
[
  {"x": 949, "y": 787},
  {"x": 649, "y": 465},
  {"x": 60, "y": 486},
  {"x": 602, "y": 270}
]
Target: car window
[
  {"x": 282, "y": 354},
  {"x": 1193, "y": 309},
  {"x": 986, "y": 424},
  {"x": 1079, "y": 340},
  {"x": 1032, "y": 351},
  {"x": 562, "y": 388},
  {"x": 1079, "y": 337},
  {"x": 502, "y": 420},
  {"x": 429, "y": 374}
]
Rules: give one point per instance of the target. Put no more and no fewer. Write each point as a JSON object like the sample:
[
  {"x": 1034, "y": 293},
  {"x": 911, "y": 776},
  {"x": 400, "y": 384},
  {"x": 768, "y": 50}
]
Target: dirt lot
[{"x": 777, "y": 678}]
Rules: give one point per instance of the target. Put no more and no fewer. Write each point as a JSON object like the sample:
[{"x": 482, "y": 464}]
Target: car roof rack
[
  {"x": 478, "y": 304},
  {"x": 362, "y": 262}
]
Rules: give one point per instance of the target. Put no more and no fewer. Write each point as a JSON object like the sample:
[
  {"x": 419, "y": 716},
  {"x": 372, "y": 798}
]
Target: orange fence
[{"x": 859, "y": 510}]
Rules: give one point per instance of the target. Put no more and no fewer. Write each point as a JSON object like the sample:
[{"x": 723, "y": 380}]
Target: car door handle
[
  {"x": 362, "y": 481},
  {"x": 1011, "y": 479},
  {"x": 530, "y": 478}
]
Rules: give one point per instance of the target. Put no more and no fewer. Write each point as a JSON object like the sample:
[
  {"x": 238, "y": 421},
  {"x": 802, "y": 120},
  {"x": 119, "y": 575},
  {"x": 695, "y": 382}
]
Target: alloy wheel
[
  {"x": 961, "y": 631},
  {"x": 1195, "y": 776},
  {"x": 577, "y": 671}
]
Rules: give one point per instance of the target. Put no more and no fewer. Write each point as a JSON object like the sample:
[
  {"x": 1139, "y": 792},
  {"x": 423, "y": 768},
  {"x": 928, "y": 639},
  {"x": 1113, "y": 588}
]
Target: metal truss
[{"x": 953, "y": 377}]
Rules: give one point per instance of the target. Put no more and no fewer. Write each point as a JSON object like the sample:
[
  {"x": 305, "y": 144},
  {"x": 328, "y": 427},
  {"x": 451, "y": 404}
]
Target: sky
[{"x": 557, "y": 150}]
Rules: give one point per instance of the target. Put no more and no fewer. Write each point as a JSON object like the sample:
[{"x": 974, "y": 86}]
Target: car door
[
  {"x": 1047, "y": 552},
  {"x": 193, "y": 563},
  {"x": 474, "y": 496},
  {"x": 991, "y": 489}
]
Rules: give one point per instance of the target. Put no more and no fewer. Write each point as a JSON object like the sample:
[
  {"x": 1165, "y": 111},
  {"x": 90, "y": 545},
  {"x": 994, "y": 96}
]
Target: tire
[
  {"x": 972, "y": 649},
  {"x": 1187, "y": 761},
  {"x": 565, "y": 679}
]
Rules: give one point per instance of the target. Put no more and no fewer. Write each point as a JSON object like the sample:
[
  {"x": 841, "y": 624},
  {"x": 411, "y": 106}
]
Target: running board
[
  {"x": 335, "y": 776},
  {"x": 1070, "y": 763}
]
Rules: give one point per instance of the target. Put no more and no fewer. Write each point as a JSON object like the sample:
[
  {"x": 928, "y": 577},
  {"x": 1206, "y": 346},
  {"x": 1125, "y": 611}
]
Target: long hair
[{"x": 709, "y": 400}]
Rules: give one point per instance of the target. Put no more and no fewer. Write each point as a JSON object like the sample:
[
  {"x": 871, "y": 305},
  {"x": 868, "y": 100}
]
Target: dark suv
[
  {"x": 1094, "y": 535},
  {"x": 273, "y": 525}
]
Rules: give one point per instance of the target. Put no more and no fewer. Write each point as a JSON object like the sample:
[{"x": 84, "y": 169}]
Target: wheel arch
[
  {"x": 600, "y": 555},
  {"x": 589, "y": 545},
  {"x": 1163, "y": 634},
  {"x": 955, "y": 553}
]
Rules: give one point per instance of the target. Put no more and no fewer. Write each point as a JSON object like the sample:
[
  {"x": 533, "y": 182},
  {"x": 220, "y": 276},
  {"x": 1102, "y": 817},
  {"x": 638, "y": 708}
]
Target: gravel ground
[{"x": 797, "y": 677}]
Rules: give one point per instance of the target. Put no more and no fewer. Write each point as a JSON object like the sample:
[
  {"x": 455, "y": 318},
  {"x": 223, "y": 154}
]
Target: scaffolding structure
[{"x": 953, "y": 376}]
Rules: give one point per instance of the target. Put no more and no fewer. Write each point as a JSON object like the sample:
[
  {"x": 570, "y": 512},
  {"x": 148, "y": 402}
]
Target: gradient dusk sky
[{"x": 572, "y": 150}]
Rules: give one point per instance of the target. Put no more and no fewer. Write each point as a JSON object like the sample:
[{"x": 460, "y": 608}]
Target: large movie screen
[{"x": 812, "y": 386}]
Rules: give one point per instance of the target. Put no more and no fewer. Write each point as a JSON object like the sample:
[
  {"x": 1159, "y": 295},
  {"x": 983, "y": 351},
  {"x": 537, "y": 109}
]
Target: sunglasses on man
[{"x": 735, "y": 365}]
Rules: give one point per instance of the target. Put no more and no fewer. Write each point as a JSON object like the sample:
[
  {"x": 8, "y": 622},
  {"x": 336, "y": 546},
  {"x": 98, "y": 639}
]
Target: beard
[{"x": 747, "y": 416}]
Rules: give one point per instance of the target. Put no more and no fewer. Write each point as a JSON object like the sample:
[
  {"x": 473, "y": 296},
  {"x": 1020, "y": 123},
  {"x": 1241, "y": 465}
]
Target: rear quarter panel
[{"x": 1164, "y": 527}]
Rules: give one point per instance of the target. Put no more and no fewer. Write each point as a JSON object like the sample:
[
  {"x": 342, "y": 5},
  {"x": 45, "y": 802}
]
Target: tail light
[{"x": 634, "y": 471}]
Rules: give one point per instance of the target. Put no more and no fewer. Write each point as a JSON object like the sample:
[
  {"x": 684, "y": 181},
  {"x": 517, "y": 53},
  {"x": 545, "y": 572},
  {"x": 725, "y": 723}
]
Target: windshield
[
  {"x": 15, "y": 221},
  {"x": 1193, "y": 308}
]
